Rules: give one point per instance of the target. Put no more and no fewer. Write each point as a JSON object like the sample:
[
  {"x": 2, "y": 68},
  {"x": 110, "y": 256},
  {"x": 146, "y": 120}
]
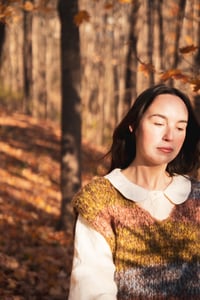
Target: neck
[{"x": 151, "y": 178}]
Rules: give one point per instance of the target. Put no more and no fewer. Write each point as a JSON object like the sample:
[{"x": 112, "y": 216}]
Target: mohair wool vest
[{"x": 154, "y": 259}]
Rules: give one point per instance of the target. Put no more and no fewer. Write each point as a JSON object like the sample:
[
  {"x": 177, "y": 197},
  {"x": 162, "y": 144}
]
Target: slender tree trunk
[
  {"x": 116, "y": 93},
  {"x": 40, "y": 68},
  {"x": 180, "y": 18},
  {"x": 2, "y": 32},
  {"x": 150, "y": 43},
  {"x": 71, "y": 115},
  {"x": 131, "y": 63},
  {"x": 159, "y": 6},
  {"x": 27, "y": 63},
  {"x": 2, "y": 38}
]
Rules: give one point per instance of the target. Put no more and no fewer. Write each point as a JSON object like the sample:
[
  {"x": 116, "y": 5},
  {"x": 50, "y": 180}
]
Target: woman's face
[{"x": 161, "y": 131}]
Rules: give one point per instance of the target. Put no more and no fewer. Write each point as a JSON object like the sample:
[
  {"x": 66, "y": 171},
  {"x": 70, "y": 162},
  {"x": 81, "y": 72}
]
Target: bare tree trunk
[
  {"x": 71, "y": 115},
  {"x": 197, "y": 57},
  {"x": 150, "y": 43},
  {"x": 40, "y": 67},
  {"x": 161, "y": 33},
  {"x": 2, "y": 33},
  {"x": 27, "y": 60},
  {"x": 116, "y": 93},
  {"x": 2, "y": 38},
  {"x": 179, "y": 24},
  {"x": 131, "y": 63}
]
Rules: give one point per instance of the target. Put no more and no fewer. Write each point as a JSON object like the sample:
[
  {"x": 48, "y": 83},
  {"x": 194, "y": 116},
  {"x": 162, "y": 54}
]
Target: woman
[{"x": 138, "y": 228}]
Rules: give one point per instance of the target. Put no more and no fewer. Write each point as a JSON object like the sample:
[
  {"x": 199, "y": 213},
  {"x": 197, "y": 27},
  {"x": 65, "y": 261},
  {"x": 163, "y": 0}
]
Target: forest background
[{"x": 69, "y": 71}]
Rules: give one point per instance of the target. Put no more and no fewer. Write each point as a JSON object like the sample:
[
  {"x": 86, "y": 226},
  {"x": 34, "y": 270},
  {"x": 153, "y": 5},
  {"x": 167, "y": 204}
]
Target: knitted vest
[{"x": 153, "y": 259}]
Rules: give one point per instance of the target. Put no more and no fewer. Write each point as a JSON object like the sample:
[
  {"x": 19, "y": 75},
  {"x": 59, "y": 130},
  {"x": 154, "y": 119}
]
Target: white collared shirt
[
  {"x": 93, "y": 269},
  {"x": 157, "y": 202}
]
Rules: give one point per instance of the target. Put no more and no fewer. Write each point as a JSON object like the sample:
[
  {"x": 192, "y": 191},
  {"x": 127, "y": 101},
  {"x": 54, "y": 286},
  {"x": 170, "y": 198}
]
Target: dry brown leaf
[
  {"x": 12, "y": 283},
  {"x": 170, "y": 74},
  {"x": 28, "y": 6},
  {"x": 188, "y": 49},
  {"x": 195, "y": 82},
  {"x": 182, "y": 77},
  {"x": 146, "y": 68},
  {"x": 108, "y": 6},
  {"x": 81, "y": 16}
]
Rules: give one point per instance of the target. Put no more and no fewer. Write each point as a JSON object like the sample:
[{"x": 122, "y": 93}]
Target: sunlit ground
[{"x": 35, "y": 259}]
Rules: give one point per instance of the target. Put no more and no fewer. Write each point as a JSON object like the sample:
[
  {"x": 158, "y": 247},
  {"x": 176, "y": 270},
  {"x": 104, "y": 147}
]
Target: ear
[{"x": 130, "y": 128}]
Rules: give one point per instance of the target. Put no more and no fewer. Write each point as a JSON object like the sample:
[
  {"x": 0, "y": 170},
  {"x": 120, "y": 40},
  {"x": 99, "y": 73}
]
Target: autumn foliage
[
  {"x": 192, "y": 79},
  {"x": 145, "y": 67}
]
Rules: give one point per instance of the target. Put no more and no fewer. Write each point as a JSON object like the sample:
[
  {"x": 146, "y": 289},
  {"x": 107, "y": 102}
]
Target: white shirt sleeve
[{"x": 92, "y": 276}]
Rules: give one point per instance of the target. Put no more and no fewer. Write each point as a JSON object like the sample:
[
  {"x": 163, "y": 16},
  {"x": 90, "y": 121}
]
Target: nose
[{"x": 168, "y": 134}]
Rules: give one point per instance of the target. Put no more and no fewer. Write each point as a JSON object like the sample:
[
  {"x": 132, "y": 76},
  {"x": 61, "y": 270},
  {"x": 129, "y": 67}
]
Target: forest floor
[{"x": 35, "y": 259}]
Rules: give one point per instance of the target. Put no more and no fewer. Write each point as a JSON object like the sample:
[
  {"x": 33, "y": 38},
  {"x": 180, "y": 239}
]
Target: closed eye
[
  {"x": 181, "y": 129},
  {"x": 158, "y": 123},
  {"x": 158, "y": 120}
]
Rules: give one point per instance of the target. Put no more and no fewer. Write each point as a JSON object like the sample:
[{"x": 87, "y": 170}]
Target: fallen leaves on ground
[{"x": 35, "y": 259}]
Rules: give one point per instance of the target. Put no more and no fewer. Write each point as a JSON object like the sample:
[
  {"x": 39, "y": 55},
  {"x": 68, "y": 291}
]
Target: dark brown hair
[{"x": 123, "y": 149}]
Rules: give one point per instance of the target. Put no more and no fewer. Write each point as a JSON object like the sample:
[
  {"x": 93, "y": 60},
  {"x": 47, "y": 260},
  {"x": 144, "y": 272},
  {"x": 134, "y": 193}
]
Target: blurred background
[{"x": 69, "y": 71}]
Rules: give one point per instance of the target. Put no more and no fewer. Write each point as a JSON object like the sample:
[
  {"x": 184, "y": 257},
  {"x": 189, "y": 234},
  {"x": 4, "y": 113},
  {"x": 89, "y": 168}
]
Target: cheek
[
  {"x": 180, "y": 140},
  {"x": 146, "y": 137}
]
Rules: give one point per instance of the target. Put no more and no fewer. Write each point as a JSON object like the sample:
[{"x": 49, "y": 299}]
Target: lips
[{"x": 165, "y": 149}]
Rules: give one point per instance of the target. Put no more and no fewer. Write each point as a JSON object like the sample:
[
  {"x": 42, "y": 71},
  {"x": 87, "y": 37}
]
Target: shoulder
[
  {"x": 94, "y": 196},
  {"x": 98, "y": 186}
]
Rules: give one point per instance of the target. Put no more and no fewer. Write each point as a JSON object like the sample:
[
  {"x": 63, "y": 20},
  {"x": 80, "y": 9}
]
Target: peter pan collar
[{"x": 177, "y": 191}]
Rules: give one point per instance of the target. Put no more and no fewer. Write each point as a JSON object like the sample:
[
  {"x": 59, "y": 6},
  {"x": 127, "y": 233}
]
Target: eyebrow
[{"x": 164, "y": 117}]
